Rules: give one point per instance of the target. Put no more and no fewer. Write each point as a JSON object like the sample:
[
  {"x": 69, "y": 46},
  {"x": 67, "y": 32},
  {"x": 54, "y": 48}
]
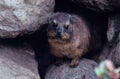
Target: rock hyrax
[{"x": 68, "y": 36}]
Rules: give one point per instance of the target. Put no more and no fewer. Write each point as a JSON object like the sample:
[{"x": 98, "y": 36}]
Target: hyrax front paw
[
  {"x": 59, "y": 62},
  {"x": 74, "y": 63}
]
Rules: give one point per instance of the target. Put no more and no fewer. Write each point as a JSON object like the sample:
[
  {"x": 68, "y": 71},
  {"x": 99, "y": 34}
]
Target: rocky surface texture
[
  {"x": 85, "y": 70},
  {"x": 18, "y": 17},
  {"x": 99, "y": 5},
  {"x": 23, "y": 17},
  {"x": 112, "y": 49},
  {"x": 17, "y": 62}
]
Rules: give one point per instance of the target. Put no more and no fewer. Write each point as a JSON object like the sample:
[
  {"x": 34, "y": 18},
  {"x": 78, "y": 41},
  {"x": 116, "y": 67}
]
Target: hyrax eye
[
  {"x": 54, "y": 23},
  {"x": 66, "y": 26}
]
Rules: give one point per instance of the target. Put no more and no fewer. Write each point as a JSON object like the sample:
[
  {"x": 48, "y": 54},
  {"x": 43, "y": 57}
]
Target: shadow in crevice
[
  {"x": 39, "y": 42},
  {"x": 98, "y": 22}
]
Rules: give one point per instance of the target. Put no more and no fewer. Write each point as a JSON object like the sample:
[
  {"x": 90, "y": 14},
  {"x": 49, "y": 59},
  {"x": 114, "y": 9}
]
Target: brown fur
[{"x": 74, "y": 45}]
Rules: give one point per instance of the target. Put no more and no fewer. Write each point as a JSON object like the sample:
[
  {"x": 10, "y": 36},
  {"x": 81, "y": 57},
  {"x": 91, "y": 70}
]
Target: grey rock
[
  {"x": 113, "y": 26},
  {"x": 85, "y": 70},
  {"x": 112, "y": 49},
  {"x": 99, "y": 5},
  {"x": 18, "y": 17},
  {"x": 17, "y": 62},
  {"x": 114, "y": 54}
]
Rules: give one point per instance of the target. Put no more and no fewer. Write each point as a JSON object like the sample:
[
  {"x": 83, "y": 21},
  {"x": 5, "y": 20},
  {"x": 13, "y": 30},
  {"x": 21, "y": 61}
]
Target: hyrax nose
[{"x": 59, "y": 31}]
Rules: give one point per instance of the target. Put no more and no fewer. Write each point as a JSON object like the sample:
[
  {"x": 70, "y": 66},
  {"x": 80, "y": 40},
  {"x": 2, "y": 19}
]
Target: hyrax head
[{"x": 60, "y": 26}]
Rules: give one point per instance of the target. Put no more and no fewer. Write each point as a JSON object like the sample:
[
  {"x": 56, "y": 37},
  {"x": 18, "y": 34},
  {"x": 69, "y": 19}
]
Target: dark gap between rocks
[{"x": 38, "y": 40}]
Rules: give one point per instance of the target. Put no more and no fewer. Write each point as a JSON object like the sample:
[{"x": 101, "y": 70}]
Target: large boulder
[
  {"x": 112, "y": 48},
  {"x": 99, "y": 5},
  {"x": 18, "y": 17},
  {"x": 85, "y": 70},
  {"x": 17, "y": 62}
]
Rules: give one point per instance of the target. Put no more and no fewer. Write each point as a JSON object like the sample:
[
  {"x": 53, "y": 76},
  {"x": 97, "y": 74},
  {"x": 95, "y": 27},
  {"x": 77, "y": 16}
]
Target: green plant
[{"x": 107, "y": 70}]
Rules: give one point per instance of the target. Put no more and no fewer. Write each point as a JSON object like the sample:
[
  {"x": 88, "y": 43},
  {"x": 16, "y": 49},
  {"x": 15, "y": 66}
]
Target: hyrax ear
[
  {"x": 73, "y": 19},
  {"x": 49, "y": 17}
]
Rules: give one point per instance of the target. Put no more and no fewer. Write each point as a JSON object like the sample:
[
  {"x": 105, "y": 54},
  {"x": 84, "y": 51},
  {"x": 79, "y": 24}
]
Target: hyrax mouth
[
  {"x": 62, "y": 37},
  {"x": 55, "y": 37},
  {"x": 59, "y": 39}
]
